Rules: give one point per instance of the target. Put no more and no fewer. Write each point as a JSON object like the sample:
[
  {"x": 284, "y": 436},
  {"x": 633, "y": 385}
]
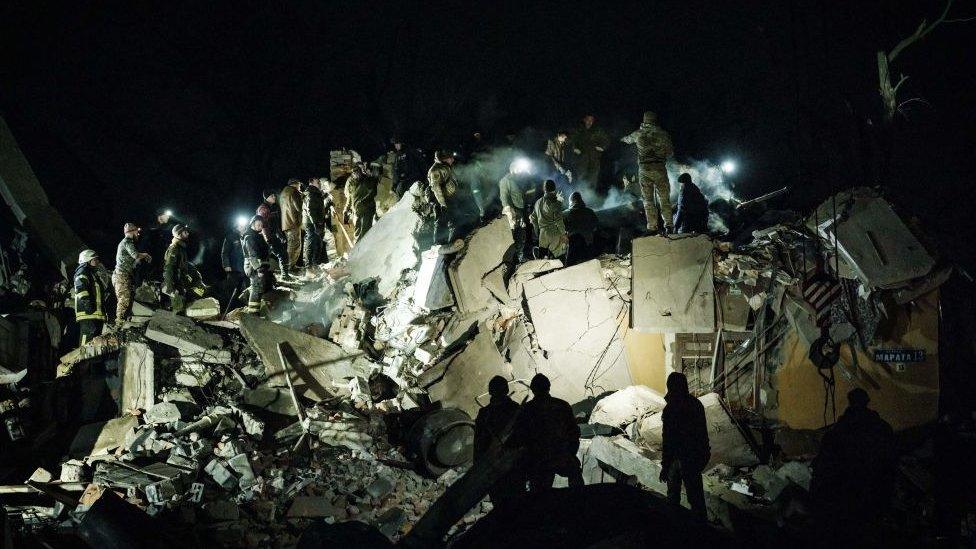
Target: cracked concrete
[
  {"x": 483, "y": 252},
  {"x": 672, "y": 285}
]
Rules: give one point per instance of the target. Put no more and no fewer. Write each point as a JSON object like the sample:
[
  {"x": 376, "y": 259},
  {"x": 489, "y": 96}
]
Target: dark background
[{"x": 123, "y": 107}]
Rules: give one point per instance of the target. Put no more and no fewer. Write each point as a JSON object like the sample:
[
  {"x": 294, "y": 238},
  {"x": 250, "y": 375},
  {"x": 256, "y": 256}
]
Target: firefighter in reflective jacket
[
  {"x": 90, "y": 293},
  {"x": 181, "y": 279},
  {"x": 257, "y": 262}
]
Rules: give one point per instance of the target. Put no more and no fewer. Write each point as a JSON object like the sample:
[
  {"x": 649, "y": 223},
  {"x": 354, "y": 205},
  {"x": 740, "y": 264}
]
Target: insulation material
[
  {"x": 907, "y": 395},
  {"x": 672, "y": 285}
]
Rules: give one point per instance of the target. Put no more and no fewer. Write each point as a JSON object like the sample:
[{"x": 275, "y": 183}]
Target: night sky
[{"x": 199, "y": 105}]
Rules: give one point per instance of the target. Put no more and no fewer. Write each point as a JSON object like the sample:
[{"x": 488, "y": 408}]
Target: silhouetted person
[
  {"x": 691, "y": 212},
  {"x": 685, "y": 444},
  {"x": 581, "y": 224},
  {"x": 491, "y": 428},
  {"x": 853, "y": 474},
  {"x": 547, "y": 429}
]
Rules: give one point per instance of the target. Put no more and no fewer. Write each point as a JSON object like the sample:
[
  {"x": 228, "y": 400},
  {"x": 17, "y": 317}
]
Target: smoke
[
  {"x": 707, "y": 175},
  {"x": 318, "y": 302}
]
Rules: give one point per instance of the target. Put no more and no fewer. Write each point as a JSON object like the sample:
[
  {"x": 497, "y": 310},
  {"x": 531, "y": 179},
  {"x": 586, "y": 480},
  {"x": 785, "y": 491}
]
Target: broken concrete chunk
[
  {"x": 527, "y": 271},
  {"x": 770, "y": 483},
  {"x": 579, "y": 326},
  {"x": 466, "y": 374},
  {"x": 628, "y": 458},
  {"x": 41, "y": 475},
  {"x": 100, "y": 438},
  {"x": 241, "y": 465},
  {"x": 312, "y": 507},
  {"x": 73, "y": 470},
  {"x": 627, "y": 406},
  {"x": 380, "y": 488},
  {"x": 138, "y": 377},
  {"x": 274, "y": 400},
  {"x": 390, "y": 521},
  {"x": 180, "y": 332},
  {"x": 672, "y": 285},
  {"x": 485, "y": 250},
  {"x": 388, "y": 248},
  {"x": 796, "y": 472},
  {"x": 194, "y": 375},
  {"x": 221, "y": 474},
  {"x": 168, "y": 412},
  {"x": 207, "y": 308},
  {"x": 431, "y": 290}
]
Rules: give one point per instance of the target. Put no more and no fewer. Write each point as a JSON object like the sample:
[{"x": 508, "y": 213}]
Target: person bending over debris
[
  {"x": 360, "y": 207},
  {"x": 127, "y": 256},
  {"x": 854, "y": 472},
  {"x": 685, "y": 448},
  {"x": 581, "y": 223},
  {"x": 547, "y": 218},
  {"x": 691, "y": 212},
  {"x": 516, "y": 196},
  {"x": 257, "y": 262},
  {"x": 547, "y": 429},
  {"x": 180, "y": 277},
  {"x": 491, "y": 428},
  {"x": 89, "y": 297}
]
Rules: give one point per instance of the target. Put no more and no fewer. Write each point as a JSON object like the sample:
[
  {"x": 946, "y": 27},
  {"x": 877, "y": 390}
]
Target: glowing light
[
  {"x": 241, "y": 221},
  {"x": 728, "y": 167},
  {"x": 521, "y": 165},
  {"x": 169, "y": 213}
]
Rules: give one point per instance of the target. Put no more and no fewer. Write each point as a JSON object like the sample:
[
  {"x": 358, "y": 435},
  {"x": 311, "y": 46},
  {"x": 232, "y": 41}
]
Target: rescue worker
[
  {"x": 451, "y": 207},
  {"x": 361, "y": 188},
  {"x": 556, "y": 154},
  {"x": 588, "y": 143},
  {"x": 257, "y": 263},
  {"x": 685, "y": 448},
  {"x": 691, "y": 211},
  {"x": 160, "y": 234},
  {"x": 853, "y": 475},
  {"x": 291, "y": 221},
  {"x": 547, "y": 218},
  {"x": 232, "y": 261},
  {"x": 181, "y": 279},
  {"x": 516, "y": 195},
  {"x": 90, "y": 293},
  {"x": 314, "y": 220},
  {"x": 581, "y": 224},
  {"x": 271, "y": 214},
  {"x": 492, "y": 428},
  {"x": 403, "y": 167},
  {"x": 127, "y": 259},
  {"x": 653, "y": 149},
  {"x": 547, "y": 429}
]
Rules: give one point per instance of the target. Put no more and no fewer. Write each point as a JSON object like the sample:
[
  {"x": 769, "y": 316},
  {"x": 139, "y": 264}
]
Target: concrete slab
[
  {"x": 387, "y": 248},
  {"x": 466, "y": 374},
  {"x": 96, "y": 439},
  {"x": 138, "y": 377},
  {"x": 181, "y": 332},
  {"x": 733, "y": 309},
  {"x": 431, "y": 290},
  {"x": 272, "y": 399},
  {"x": 579, "y": 326},
  {"x": 484, "y": 250},
  {"x": 321, "y": 362},
  {"x": 628, "y": 458},
  {"x": 672, "y": 285},
  {"x": 207, "y": 308},
  {"x": 627, "y": 406},
  {"x": 527, "y": 271}
]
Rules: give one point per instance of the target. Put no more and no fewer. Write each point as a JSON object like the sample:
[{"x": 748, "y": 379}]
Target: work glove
[{"x": 507, "y": 212}]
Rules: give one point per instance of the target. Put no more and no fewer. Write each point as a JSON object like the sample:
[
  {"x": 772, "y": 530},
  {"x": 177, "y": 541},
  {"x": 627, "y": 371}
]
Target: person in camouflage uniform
[
  {"x": 653, "y": 149},
  {"x": 588, "y": 143},
  {"x": 444, "y": 202},
  {"x": 360, "y": 207},
  {"x": 181, "y": 279},
  {"x": 127, "y": 256}
]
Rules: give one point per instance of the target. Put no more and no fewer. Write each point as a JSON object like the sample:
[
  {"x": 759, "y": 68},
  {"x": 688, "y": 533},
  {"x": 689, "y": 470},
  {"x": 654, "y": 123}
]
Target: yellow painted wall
[
  {"x": 645, "y": 357},
  {"x": 905, "y": 399}
]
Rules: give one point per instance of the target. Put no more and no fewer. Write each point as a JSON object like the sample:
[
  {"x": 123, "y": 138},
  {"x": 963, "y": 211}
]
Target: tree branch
[{"x": 921, "y": 32}]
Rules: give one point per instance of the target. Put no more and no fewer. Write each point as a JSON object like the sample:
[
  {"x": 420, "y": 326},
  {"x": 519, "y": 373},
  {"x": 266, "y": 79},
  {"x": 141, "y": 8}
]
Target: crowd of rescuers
[{"x": 292, "y": 228}]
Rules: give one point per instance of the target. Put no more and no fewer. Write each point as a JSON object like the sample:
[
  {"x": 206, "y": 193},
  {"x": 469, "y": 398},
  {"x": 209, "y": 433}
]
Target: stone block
[
  {"x": 207, "y": 308},
  {"x": 138, "y": 377},
  {"x": 100, "y": 438}
]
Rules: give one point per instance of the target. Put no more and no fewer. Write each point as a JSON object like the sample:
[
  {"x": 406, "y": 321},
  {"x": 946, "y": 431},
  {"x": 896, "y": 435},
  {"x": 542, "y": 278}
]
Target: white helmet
[{"x": 86, "y": 256}]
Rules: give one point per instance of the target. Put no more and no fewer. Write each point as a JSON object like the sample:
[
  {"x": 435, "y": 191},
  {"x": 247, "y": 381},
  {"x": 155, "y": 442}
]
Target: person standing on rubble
[
  {"x": 90, "y": 294},
  {"x": 547, "y": 218},
  {"x": 271, "y": 214},
  {"x": 853, "y": 476},
  {"x": 547, "y": 430},
  {"x": 453, "y": 204},
  {"x": 691, "y": 212},
  {"x": 581, "y": 224},
  {"x": 232, "y": 261},
  {"x": 558, "y": 161},
  {"x": 516, "y": 195},
  {"x": 492, "y": 428},
  {"x": 155, "y": 244},
  {"x": 589, "y": 141},
  {"x": 314, "y": 220},
  {"x": 181, "y": 279},
  {"x": 257, "y": 263},
  {"x": 291, "y": 221},
  {"x": 361, "y": 188},
  {"x": 127, "y": 258},
  {"x": 684, "y": 441},
  {"x": 653, "y": 150}
]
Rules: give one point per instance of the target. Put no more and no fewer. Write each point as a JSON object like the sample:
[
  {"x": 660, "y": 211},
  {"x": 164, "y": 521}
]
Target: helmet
[
  {"x": 444, "y": 154},
  {"x": 179, "y": 228},
  {"x": 86, "y": 256},
  {"x": 129, "y": 228},
  {"x": 649, "y": 117}
]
